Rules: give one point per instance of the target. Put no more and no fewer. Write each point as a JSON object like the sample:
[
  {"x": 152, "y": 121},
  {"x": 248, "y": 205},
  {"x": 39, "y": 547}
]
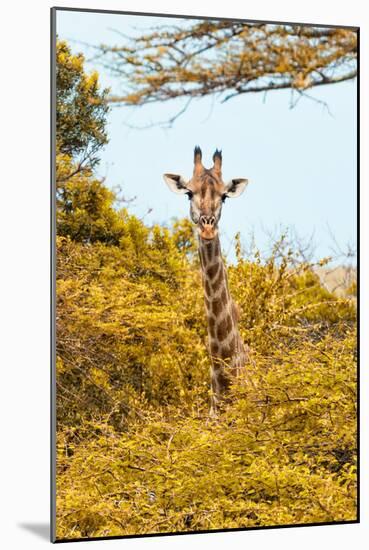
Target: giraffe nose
[{"x": 207, "y": 220}]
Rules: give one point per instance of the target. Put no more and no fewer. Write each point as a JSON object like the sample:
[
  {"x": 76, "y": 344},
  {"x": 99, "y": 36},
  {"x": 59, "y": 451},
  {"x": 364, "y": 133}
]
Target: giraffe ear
[
  {"x": 176, "y": 183},
  {"x": 236, "y": 187}
]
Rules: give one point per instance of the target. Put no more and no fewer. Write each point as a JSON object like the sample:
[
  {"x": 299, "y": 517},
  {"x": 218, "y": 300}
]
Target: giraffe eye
[
  {"x": 189, "y": 194},
  {"x": 224, "y": 196}
]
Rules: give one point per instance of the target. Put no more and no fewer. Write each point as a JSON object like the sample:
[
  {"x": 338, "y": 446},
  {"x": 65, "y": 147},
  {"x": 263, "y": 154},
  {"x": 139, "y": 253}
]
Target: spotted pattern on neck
[{"x": 228, "y": 354}]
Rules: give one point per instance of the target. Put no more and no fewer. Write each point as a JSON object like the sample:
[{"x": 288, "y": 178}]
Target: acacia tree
[
  {"x": 85, "y": 207},
  {"x": 81, "y": 110},
  {"x": 228, "y": 58}
]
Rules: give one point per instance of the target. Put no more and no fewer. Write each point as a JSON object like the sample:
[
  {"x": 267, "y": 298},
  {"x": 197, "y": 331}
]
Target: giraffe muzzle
[{"x": 207, "y": 227}]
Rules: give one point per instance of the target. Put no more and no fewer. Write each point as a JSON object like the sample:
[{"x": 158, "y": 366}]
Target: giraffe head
[{"x": 207, "y": 192}]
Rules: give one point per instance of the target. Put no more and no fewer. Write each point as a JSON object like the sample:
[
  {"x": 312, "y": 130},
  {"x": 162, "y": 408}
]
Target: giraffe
[{"x": 207, "y": 192}]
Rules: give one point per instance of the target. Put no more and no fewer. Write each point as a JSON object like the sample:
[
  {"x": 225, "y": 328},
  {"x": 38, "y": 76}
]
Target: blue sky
[{"x": 301, "y": 162}]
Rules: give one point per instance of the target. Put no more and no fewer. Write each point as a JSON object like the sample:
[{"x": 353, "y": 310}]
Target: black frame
[{"x": 53, "y": 12}]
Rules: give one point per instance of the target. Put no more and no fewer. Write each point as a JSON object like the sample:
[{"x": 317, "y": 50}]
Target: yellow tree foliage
[{"x": 137, "y": 452}]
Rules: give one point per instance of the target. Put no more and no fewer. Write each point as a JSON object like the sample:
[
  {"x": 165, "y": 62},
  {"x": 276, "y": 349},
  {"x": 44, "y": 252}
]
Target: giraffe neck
[{"x": 226, "y": 348}]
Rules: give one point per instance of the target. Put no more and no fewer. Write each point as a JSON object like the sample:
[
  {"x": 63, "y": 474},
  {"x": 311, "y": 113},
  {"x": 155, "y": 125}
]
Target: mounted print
[{"x": 204, "y": 224}]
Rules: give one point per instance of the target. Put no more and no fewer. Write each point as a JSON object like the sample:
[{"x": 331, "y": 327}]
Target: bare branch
[{"x": 162, "y": 123}]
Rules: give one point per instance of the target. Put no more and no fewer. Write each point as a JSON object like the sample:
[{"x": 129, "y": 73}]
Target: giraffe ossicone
[{"x": 207, "y": 193}]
